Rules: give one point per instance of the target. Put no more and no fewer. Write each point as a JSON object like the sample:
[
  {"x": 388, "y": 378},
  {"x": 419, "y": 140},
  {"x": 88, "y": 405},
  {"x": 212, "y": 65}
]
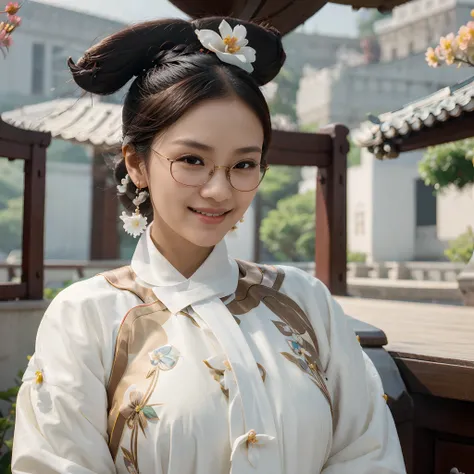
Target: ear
[{"x": 136, "y": 168}]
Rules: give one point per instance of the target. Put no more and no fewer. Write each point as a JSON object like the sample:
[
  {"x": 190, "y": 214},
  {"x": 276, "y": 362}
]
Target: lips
[
  {"x": 210, "y": 212},
  {"x": 210, "y": 216}
]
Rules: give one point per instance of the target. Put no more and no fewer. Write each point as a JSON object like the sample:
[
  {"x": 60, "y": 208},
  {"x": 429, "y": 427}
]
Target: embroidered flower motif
[
  {"x": 138, "y": 413},
  {"x": 164, "y": 357},
  {"x": 230, "y": 46},
  {"x": 34, "y": 372},
  {"x": 220, "y": 371},
  {"x": 304, "y": 355},
  {"x": 122, "y": 187},
  {"x": 297, "y": 348},
  {"x": 141, "y": 198},
  {"x": 252, "y": 441},
  {"x": 134, "y": 224},
  {"x": 39, "y": 377}
]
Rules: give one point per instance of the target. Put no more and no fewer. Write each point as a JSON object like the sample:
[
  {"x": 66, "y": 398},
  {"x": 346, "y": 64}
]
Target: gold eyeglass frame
[{"x": 228, "y": 169}]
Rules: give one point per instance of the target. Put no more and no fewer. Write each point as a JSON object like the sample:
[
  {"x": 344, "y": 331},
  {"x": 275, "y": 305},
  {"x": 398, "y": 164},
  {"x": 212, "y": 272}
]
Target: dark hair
[{"x": 173, "y": 73}]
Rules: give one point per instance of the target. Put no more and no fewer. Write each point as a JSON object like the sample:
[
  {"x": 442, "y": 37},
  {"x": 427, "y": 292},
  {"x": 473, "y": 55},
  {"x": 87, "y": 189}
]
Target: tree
[
  {"x": 461, "y": 249},
  {"x": 288, "y": 231},
  {"x": 279, "y": 182},
  {"x": 11, "y": 219},
  {"x": 448, "y": 164}
]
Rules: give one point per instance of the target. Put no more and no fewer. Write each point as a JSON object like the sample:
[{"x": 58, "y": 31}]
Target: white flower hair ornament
[{"x": 230, "y": 46}]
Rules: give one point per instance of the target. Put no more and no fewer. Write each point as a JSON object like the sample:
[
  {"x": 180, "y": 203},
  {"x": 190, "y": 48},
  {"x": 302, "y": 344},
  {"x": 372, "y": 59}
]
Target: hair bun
[{"x": 109, "y": 65}]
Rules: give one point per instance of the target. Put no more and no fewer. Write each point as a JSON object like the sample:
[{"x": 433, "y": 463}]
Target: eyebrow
[{"x": 204, "y": 147}]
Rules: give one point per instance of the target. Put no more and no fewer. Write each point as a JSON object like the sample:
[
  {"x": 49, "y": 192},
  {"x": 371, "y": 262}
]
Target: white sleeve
[
  {"x": 365, "y": 440},
  {"x": 61, "y": 413}
]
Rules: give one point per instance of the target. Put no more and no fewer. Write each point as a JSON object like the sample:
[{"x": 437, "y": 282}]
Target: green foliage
[
  {"x": 11, "y": 219},
  {"x": 51, "y": 293},
  {"x": 461, "y": 249},
  {"x": 279, "y": 182},
  {"x": 354, "y": 155},
  {"x": 11, "y": 180},
  {"x": 288, "y": 231},
  {"x": 7, "y": 423},
  {"x": 358, "y": 257},
  {"x": 448, "y": 164}
]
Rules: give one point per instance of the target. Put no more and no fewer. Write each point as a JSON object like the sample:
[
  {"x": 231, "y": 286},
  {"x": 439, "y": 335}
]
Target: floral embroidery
[
  {"x": 221, "y": 372},
  {"x": 165, "y": 357},
  {"x": 218, "y": 366},
  {"x": 304, "y": 356},
  {"x": 252, "y": 441},
  {"x": 136, "y": 409}
]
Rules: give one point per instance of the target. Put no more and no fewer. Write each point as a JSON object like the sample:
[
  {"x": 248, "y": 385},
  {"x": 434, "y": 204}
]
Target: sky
[{"x": 333, "y": 19}]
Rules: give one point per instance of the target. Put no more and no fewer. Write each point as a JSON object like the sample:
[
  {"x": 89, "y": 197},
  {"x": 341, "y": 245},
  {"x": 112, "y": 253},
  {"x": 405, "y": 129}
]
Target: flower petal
[
  {"x": 240, "y": 32},
  {"x": 210, "y": 40},
  {"x": 241, "y": 43},
  {"x": 225, "y": 29},
  {"x": 236, "y": 60},
  {"x": 249, "y": 53}
]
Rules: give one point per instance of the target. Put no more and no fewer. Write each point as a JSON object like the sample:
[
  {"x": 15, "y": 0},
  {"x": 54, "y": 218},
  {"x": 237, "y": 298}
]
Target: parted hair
[{"x": 172, "y": 73}]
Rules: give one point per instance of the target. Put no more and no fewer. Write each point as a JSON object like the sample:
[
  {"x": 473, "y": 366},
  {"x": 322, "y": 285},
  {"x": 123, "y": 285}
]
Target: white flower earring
[{"x": 134, "y": 224}]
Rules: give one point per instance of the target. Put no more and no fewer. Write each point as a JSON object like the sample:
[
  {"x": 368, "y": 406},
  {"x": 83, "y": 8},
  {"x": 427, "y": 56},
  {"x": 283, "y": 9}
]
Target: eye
[
  {"x": 191, "y": 160},
  {"x": 246, "y": 165}
]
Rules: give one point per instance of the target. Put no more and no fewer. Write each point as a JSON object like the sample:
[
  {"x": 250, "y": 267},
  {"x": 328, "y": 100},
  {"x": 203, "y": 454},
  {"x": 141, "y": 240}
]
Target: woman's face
[{"x": 224, "y": 132}]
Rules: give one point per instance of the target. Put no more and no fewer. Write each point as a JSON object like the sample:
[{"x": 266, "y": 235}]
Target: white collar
[{"x": 215, "y": 278}]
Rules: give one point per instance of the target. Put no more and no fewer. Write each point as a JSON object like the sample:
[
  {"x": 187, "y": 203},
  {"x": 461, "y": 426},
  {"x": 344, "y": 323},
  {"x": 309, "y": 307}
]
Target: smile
[{"x": 209, "y": 214}]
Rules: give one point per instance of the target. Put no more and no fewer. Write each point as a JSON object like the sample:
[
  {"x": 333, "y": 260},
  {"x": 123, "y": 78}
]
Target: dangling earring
[{"x": 136, "y": 223}]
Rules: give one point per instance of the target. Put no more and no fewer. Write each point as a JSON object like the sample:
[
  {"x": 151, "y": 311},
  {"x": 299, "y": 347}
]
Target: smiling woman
[{"x": 188, "y": 361}]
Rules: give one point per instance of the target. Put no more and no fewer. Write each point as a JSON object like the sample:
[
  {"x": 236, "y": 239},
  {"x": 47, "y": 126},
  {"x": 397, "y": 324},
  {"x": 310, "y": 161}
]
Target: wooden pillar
[
  {"x": 33, "y": 222},
  {"x": 104, "y": 241},
  {"x": 331, "y": 203}
]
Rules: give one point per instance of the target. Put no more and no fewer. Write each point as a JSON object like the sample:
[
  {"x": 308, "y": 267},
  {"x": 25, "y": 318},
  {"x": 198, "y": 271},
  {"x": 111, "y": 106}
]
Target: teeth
[{"x": 207, "y": 214}]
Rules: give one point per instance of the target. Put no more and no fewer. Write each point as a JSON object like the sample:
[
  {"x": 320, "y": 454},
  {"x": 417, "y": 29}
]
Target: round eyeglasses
[{"x": 193, "y": 171}]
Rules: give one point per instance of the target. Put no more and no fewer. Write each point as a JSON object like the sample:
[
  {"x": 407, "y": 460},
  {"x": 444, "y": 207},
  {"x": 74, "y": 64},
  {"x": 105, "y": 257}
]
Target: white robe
[{"x": 207, "y": 375}]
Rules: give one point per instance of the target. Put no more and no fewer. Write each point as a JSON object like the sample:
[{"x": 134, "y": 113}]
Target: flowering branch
[
  {"x": 9, "y": 26},
  {"x": 454, "y": 49}
]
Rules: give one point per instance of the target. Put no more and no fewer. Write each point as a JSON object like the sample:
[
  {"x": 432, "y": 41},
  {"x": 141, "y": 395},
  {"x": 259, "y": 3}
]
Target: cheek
[{"x": 245, "y": 199}]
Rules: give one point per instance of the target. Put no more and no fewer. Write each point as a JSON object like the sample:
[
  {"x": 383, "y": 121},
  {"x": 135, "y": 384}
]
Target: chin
[{"x": 205, "y": 239}]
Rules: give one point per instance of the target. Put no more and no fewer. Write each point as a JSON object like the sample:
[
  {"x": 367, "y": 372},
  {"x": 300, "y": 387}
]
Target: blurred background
[{"x": 343, "y": 66}]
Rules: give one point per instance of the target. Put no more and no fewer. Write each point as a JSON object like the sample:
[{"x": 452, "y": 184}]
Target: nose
[{"x": 218, "y": 187}]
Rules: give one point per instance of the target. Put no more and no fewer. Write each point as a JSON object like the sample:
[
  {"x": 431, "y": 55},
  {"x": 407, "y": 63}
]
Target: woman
[{"x": 188, "y": 361}]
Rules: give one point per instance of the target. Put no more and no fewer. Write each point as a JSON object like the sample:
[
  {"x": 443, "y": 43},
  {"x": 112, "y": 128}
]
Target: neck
[{"x": 182, "y": 254}]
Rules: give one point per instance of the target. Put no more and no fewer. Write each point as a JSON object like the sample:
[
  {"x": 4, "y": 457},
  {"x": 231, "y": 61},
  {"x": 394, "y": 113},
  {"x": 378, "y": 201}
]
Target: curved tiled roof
[
  {"x": 384, "y": 135},
  {"x": 85, "y": 121}
]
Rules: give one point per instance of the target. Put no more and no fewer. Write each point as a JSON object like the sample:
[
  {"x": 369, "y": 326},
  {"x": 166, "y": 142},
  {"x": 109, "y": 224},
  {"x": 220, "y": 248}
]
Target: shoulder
[
  {"x": 88, "y": 303},
  {"x": 89, "y": 292},
  {"x": 301, "y": 284}
]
